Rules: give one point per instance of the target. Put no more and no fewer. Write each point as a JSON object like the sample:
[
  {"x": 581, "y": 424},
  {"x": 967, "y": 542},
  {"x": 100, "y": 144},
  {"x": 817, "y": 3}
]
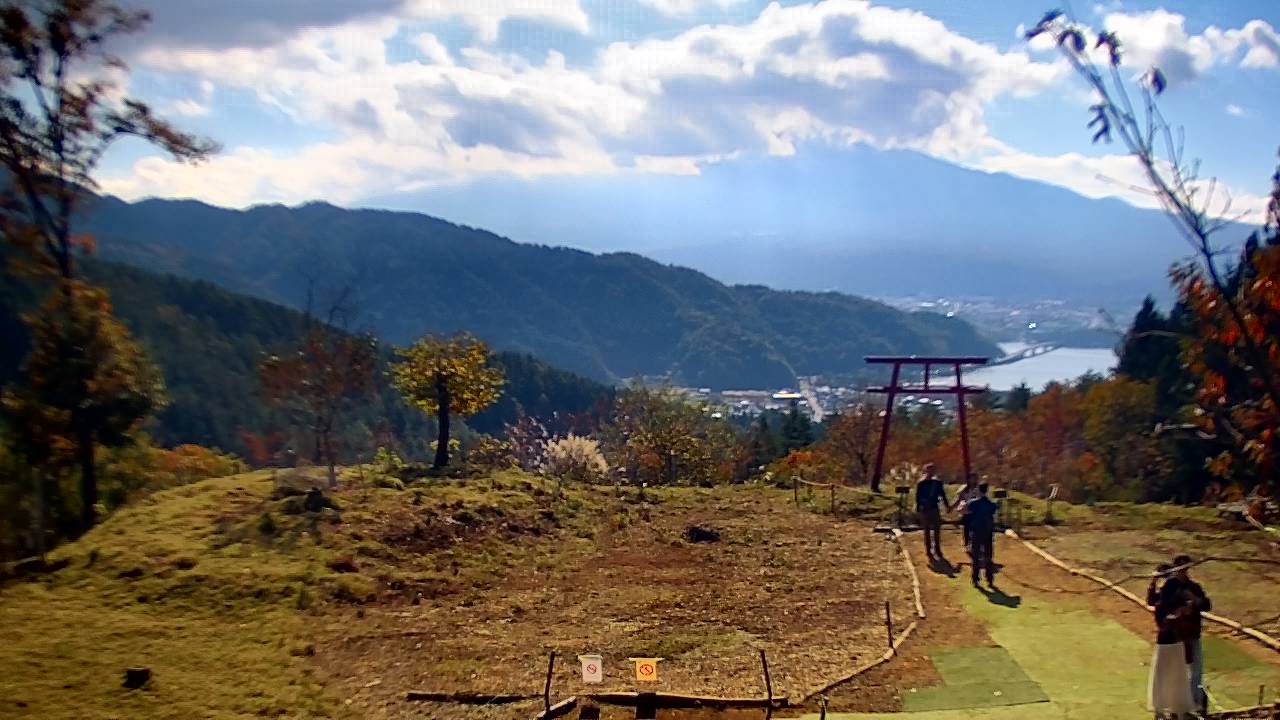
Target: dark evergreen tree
[
  {"x": 1149, "y": 352},
  {"x": 1017, "y": 398},
  {"x": 763, "y": 442},
  {"x": 797, "y": 430}
]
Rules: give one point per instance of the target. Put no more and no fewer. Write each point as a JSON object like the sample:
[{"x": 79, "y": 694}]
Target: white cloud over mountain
[{"x": 839, "y": 72}]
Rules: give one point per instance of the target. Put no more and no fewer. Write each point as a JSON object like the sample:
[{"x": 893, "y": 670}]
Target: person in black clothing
[
  {"x": 1197, "y": 602},
  {"x": 982, "y": 528},
  {"x": 931, "y": 497},
  {"x": 1168, "y": 693}
]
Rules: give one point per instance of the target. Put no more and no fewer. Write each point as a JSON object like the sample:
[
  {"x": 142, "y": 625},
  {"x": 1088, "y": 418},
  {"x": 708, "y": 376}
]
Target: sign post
[
  {"x": 592, "y": 668},
  {"x": 646, "y": 669}
]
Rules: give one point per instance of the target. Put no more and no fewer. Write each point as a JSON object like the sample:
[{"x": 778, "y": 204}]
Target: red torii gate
[{"x": 894, "y": 388}]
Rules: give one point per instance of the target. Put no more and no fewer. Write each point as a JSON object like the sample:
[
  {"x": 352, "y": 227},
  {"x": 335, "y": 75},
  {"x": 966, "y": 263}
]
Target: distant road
[{"x": 811, "y": 397}]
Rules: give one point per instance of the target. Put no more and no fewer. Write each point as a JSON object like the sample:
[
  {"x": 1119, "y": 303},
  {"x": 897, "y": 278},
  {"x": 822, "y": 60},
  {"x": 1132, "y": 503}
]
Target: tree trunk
[
  {"x": 442, "y": 418},
  {"x": 88, "y": 481},
  {"x": 330, "y": 459},
  {"x": 37, "y": 515}
]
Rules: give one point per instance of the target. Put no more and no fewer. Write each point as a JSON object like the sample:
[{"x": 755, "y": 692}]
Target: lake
[{"x": 1058, "y": 365}]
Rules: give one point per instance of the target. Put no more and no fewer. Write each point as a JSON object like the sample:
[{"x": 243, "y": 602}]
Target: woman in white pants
[{"x": 1169, "y": 691}]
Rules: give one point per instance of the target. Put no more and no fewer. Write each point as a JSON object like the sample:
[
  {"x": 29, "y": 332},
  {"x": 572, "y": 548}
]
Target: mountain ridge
[
  {"x": 607, "y": 316},
  {"x": 859, "y": 220}
]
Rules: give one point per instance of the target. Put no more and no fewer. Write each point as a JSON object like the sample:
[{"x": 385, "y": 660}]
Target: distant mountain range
[
  {"x": 607, "y": 317},
  {"x": 862, "y": 221}
]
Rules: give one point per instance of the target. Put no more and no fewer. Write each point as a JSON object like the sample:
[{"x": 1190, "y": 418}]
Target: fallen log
[
  {"x": 466, "y": 698},
  {"x": 671, "y": 700},
  {"x": 564, "y": 707}
]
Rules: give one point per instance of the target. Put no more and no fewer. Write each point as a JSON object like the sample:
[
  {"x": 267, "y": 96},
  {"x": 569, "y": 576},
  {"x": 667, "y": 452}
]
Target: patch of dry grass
[{"x": 242, "y": 604}]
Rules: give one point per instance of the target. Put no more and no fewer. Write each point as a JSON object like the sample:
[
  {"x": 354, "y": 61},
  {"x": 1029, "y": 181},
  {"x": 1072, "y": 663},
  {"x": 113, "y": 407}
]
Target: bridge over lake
[{"x": 1025, "y": 353}]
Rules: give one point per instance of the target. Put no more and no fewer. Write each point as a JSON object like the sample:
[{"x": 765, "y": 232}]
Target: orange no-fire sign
[{"x": 646, "y": 669}]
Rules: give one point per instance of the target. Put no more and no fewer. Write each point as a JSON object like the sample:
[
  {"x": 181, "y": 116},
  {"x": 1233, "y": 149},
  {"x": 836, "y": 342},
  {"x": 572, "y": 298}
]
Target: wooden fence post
[
  {"x": 546, "y": 690},
  {"x": 768, "y": 684},
  {"x": 888, "y": 625}
]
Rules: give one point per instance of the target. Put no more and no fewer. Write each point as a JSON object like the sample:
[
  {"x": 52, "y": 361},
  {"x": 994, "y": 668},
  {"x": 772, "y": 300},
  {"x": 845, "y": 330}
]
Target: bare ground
[{"x": 806, "y": 588}]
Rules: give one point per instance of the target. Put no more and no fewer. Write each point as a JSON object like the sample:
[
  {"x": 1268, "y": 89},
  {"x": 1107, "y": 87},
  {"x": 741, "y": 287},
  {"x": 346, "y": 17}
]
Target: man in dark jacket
[
  {"x": 931, "y": 497},
  {"x": 1180, "y": 582},
  {"x": 1198, "y": 602},
  {"x": 982, "y": 528}
]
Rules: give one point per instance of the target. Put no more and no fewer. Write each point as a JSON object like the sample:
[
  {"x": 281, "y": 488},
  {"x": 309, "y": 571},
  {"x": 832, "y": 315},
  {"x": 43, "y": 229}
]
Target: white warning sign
[{"x": 592, "y": 668}]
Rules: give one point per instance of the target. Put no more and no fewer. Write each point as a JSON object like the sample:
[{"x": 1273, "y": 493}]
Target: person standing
[
  {"x": 1197, "y": 602},
  {"x": 1168, "y": 693},
  {"x": 931, "y": 497},
  {"x": 967, "y": 494},
  {"x": 982, "y": 528}
]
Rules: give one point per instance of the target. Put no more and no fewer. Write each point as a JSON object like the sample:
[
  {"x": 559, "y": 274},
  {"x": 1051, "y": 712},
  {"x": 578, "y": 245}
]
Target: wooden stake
[
  {"x": 833, "y": 499},
  {"x": 888, "y": 625},
  {"x": 795, "y": 489},
  {"x": 546, "y": 690},
  {"x": 768, "y": 683}
]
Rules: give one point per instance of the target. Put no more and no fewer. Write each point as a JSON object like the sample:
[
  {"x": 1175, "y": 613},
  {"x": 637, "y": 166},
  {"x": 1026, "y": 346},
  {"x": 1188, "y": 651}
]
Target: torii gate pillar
[{"x": 895, "y": 388}]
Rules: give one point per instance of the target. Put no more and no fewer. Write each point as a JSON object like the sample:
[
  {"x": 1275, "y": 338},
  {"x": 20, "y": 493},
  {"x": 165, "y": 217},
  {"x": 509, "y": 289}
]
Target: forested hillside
[
  {"x": 208, "y": 342},
  {"x": 607, "y": 317}
]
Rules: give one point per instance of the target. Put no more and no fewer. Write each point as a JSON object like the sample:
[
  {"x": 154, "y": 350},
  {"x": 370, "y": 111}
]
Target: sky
[{"x": 347, "y": 100}]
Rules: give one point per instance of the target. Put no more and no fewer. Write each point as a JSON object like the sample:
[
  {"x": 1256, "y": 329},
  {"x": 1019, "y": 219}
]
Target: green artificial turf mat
[
  {"x": 1090, "y": 667},
  {"x": 973, "y": 696},
  {"x": 976, "y": 666},
  {"x": 975, "y": 678}
]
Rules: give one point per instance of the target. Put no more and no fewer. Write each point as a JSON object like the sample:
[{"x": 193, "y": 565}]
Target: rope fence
[
  {"x": 1253, "y": 633},
  {"x": 895, "y": 641}
]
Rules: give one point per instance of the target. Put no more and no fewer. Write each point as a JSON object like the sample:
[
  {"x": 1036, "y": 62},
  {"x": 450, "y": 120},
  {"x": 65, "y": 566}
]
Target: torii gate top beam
[
  {"x": 895, "y": 388},
  {"x": 922, "y": 360}
]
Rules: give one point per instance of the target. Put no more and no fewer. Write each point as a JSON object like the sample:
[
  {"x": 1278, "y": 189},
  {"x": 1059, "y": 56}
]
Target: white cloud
[
  {"x": 487, "y": 16},
  {"x": 1114, "y": 176},
  {"x": 339, "y": 172},
  {"x": 1235, "y": 110},
  {"x": 1159, "y": 38},
  {"x": 686, "y": 7},
  {"x": 195, "y": 107},
  {"x": 1264, "y": 45},
  {"x": 840, "y": 71},
  {"x": 258, "y": 23},
  {"x": 190, "y": 108}
]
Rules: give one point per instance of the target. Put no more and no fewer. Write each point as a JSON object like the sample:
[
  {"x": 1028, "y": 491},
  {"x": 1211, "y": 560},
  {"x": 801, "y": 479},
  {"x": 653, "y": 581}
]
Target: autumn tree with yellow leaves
[{"x": 447, "y": 377}]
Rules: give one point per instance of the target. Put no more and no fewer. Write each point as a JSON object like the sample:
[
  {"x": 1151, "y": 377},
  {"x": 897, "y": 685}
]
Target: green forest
[
  {"x": 607, "y": 317},
  {"x": 209, "y": 342}
]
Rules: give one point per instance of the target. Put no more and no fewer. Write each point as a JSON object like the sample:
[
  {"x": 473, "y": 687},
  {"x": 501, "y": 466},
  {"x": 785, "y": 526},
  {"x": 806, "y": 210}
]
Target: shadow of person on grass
[
  {"x": 998, "y": 597},
  {"x": 942, "y": 566}
]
